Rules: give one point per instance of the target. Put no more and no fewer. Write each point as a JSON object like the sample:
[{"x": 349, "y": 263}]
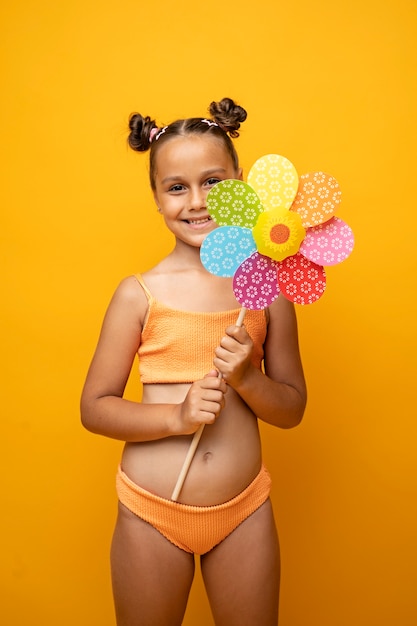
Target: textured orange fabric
[
  {"x": 178, "y": 346},
  {"x": 195, "y": 529}
]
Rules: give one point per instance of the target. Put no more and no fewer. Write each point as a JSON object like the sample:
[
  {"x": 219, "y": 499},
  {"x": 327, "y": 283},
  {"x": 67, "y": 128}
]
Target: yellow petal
[{"x": 275, "y": 180}]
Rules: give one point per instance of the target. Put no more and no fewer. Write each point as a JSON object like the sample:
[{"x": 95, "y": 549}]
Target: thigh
[
  {"x": 242, "y": 573},
  {"x": 151, "y": 577}
]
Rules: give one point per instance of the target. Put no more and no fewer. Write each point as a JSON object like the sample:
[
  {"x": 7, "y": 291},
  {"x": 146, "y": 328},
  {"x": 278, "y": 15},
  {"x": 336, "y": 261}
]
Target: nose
[{"x": 197, "y": 199}]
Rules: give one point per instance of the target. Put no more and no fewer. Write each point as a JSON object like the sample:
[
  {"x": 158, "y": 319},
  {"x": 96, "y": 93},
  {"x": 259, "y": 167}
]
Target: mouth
[{"x": 199, "y": 222}]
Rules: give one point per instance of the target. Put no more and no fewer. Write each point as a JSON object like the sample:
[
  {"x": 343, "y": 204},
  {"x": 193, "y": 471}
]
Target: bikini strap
[{"x": 144, "y": 287}]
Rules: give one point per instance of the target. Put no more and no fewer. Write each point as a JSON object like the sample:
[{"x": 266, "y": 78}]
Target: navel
[{"x": 207, "y": 456}]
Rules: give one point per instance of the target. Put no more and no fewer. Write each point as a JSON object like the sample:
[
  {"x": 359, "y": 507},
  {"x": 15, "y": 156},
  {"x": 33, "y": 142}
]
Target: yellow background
[{"x": 330, "y": 85}]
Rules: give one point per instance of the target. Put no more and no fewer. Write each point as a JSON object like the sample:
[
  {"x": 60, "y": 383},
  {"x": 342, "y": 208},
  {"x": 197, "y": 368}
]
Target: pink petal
[
  {"x": 329, "y": 243},
  {"x": 255, "y": 282}
]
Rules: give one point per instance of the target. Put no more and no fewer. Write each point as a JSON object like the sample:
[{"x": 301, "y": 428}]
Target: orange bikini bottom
[{"x": 195, "y": 529}]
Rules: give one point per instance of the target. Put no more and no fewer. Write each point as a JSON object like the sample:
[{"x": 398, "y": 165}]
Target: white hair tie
[{"x": 209, "y": 122}]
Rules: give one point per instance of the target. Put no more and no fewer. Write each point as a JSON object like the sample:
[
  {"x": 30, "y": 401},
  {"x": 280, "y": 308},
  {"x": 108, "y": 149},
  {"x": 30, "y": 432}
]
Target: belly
[{"x": 227, "y": 458}]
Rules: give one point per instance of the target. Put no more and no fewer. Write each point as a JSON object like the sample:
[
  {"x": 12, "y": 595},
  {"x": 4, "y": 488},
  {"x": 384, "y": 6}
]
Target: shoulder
[
  {"x": 129, "y": 299},
  {"x": 129, "y": 290}
]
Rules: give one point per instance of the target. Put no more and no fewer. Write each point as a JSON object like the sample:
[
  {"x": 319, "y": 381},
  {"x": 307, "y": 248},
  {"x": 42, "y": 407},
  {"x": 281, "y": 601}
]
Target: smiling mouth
[{"x": 203, "y": 220}]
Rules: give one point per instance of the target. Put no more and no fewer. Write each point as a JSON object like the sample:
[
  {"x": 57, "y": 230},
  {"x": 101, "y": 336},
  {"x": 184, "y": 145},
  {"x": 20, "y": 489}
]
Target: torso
[
  {"x": 227, "y": 459},
  {"x": 228, "y": 456}
]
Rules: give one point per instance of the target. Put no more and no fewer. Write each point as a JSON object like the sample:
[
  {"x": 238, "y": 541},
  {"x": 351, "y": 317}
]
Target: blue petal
[{"x": 225, "y": 248}]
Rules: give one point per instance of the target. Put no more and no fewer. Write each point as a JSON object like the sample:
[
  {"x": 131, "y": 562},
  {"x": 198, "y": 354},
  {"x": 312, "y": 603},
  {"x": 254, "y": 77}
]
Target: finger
[
  {"x": 212, "y": 374},
  {"x": 215, "y": 396},
  {"x": 208, "y": 417},
  {"x": 225, "y": 355},
  {"x": 215, "y": 384},
  {"x": 239, "y": 333},
  {"x": 210, "y": 411}
]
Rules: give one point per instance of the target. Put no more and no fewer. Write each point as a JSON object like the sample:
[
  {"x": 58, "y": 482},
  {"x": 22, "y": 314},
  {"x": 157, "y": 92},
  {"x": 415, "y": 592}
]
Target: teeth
[{"x": 206, "y": 219}]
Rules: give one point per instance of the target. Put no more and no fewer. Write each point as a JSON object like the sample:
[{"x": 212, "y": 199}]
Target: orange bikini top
[{"x": 178, "y": 346}]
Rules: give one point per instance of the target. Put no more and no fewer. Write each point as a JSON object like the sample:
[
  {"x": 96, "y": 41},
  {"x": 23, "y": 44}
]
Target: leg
[
  {"x": 151, "y": 577},
  {"x": 242, "y": 573}
]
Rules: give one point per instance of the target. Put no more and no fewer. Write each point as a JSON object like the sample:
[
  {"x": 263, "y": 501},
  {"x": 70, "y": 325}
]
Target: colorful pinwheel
[{"x": 275, "y": 233}]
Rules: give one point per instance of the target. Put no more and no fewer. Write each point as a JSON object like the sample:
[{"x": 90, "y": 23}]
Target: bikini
[{"x": 195, "y": 529}]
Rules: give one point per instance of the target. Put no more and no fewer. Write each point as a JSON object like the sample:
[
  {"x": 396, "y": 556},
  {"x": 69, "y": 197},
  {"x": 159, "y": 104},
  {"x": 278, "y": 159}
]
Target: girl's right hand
[{"x": 202, "y": 405}]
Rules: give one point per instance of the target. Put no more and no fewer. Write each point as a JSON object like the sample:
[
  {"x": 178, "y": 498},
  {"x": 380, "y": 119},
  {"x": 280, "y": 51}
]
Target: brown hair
[{"x": 226, "y": 118}]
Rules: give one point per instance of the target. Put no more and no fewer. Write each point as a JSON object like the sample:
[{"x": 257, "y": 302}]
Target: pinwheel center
[{"x": 280, "y": 233}]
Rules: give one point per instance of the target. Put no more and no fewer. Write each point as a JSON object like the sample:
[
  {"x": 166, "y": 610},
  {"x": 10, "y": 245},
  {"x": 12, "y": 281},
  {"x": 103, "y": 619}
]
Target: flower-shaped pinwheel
[{"x": 275, "y": 233}]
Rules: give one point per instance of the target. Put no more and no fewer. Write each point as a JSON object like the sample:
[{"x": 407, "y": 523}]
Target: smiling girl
[{"x": 181, "y": 321}]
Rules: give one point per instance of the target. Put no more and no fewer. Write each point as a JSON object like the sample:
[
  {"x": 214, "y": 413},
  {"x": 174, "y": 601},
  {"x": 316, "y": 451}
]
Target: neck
[{"x": 186, "y": 256}]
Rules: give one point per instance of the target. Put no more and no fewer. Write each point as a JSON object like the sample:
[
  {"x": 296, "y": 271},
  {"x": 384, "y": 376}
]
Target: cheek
[{"x": 171, "y": 206}]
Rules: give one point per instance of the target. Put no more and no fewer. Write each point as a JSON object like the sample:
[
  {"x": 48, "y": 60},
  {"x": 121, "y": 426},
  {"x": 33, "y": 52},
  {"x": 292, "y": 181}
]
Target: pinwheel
[{"x": 275, "y": 233}]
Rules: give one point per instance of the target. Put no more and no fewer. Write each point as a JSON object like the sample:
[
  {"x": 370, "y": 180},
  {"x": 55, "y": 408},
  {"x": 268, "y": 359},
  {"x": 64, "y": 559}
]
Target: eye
[
  {"x": 176, "y": 188},
  {"x": 212, "y": 181}
]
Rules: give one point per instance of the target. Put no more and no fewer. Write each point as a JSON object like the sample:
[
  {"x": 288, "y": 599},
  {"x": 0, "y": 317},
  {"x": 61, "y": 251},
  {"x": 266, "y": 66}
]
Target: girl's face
[{"x": 186, "y": 170}]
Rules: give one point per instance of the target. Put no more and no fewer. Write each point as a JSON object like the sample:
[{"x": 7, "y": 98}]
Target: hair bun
[
  {"x": 140, "y": 127},
  {"x": 228, "y": 115}
]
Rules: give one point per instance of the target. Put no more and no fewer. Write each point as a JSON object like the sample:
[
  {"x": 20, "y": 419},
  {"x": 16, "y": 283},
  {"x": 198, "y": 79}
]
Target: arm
[
  {"x": 103, "y": 409},
  {"x": 278, "y": 396}
]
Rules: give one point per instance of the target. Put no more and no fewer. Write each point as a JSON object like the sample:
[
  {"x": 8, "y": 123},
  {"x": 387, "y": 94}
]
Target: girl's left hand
[{"x": 233, "y": 355}]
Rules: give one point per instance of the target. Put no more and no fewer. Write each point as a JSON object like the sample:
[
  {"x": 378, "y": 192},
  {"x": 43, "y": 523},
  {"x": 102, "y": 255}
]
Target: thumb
[{"x": 212, "y": 374}]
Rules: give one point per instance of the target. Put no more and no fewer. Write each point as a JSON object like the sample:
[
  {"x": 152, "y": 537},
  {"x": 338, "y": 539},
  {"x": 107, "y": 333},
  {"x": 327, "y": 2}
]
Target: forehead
[{"x": 192, "y": 151}]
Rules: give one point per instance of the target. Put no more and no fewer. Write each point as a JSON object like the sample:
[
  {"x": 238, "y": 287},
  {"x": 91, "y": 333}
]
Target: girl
[{"x": 181, "y": 321}]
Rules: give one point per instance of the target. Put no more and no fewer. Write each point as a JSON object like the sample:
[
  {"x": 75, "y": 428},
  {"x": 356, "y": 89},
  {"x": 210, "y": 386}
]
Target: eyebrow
[{"x": 204, "y": 174}]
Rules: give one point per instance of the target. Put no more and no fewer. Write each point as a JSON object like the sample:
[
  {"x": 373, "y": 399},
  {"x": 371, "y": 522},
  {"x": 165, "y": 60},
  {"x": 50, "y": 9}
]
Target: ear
[
  {"x": 155, "y": 197},
  {"x": 239, "y": 174}
]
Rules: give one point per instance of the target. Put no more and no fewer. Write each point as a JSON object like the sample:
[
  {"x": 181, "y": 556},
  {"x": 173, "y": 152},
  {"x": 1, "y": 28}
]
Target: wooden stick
[
  {"x": 241, "y": 317},
  {"x": 187, "y": 463},
  {"x": 197, "y": 436}
]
